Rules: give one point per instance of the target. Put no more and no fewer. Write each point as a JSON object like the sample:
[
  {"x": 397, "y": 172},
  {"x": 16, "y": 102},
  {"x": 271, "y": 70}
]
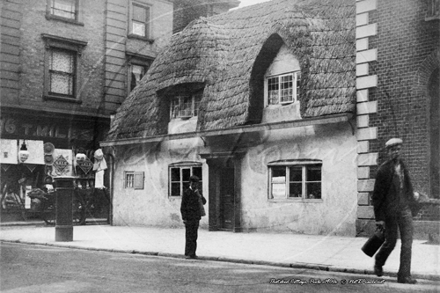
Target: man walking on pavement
[
  {"x": 393, "y": 198},
  {"x": 192, "y": 210}
]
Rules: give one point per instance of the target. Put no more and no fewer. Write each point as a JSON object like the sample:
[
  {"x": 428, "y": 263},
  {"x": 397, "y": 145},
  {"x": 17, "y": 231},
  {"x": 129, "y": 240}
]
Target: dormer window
[
  {"x": 282, "y": 79},
  {"x": 283, "y": 88},
  {"x": 185, "y": 105}
]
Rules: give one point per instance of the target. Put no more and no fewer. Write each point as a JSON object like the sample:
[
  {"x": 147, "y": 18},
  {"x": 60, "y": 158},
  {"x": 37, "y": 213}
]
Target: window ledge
[
  {"x": 296, "y": 200},
  {"x": 280, "y": 105},
  {"x": 61, "y": 99},
  {"x": 133, "y": 36},
  {"x": 174, "y": 197},
  {"x": 433, "y": 17},
  {"x": 63, "y": 19}
]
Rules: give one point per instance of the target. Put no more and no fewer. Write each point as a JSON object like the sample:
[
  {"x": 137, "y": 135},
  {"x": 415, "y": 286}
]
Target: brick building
[
  {"x": 66, "y": 66},
  {"x": 187, "y": 10},
  {"x": 398, "y": 59}
]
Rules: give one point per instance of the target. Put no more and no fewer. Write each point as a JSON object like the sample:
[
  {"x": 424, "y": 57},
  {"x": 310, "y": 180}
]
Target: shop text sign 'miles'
[{"x": 12, "y": 127}]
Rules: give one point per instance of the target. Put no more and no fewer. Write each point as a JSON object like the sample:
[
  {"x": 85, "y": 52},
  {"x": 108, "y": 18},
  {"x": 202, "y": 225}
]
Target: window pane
[
  {"x": 286, "y": 88},
  {"x": 64, "y": 8},
  {"x": 295, "y": 190},
  {"x": 174, "y": 107},
  {"x": 139, "y": 28},
  {"x": 296, "y": 174},
  {"x": 197, "y": 98},
  {"x": 298, "y": 81},
  {"x": 197, "y": 171},
  {"x": 137, "y": 72},
  {"x": 175, "y": 189},
  {"x": 186, "y": 106},
  {"x": 129, "y": 180},
  {"x": 61, "y": 61},
  {"x": 313, "y": 190},
  {"x": 139, "y": 13},
  {"x": 313, "y": 173},
  {"x": 61, "y": 84},
  {"x": 272, "y": 84},
  {"x": 175, "y": 174},
  {"x": 186, "y": 173},
  {"x": 278, "y": 172}
]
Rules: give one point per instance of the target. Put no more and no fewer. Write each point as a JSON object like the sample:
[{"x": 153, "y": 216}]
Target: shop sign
[
  {"x": 15, "y": 127},
  {"x": 60, "y": 164},
  {"x": 85, "y": 165}
]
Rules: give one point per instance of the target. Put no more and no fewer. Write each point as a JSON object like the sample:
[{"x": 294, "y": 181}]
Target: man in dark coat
[
  {"x": 192, "y": 211},
  {"x": 393, "y": 198}
]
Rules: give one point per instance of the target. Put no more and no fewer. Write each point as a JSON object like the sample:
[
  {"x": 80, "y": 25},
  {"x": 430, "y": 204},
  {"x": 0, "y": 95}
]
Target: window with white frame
[
  {"x": 134, "y": 180},
  {"x": 140, "y": 20},
  {"x": 283, "y": 88},
  {"x": 185, "y": 105},
  {"x": 295, "y": 180},
  {"x": 179, "y": 175}
]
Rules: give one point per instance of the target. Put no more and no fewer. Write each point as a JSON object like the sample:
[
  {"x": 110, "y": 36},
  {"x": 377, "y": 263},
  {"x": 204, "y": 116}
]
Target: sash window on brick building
[
  {"x": 64, "y": 8},
  {"x": 140, "y": 19},
  {"x": 62, "y": 69}
]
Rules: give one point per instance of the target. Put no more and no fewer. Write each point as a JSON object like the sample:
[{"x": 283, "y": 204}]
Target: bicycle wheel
[{"x": 78, "y": 212}]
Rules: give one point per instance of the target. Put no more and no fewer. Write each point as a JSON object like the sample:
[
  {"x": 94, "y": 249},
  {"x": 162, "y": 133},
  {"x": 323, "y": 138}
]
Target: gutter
[{"x": 338, "y": 118}]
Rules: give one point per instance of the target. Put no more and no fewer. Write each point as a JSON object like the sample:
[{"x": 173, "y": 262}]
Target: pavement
[{"x": 327, "y": 253}]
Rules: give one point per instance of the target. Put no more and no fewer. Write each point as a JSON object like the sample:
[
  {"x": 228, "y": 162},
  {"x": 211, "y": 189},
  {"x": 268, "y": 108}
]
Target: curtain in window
[{"x": 61, "y": 72}]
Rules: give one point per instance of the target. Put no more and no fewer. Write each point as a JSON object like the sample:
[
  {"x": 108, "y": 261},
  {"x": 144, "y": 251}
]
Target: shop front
[{"x": 37, "y": 147}]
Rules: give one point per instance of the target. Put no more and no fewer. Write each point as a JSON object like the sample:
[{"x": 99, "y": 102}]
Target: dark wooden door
[{"x": 227, "y": 193}]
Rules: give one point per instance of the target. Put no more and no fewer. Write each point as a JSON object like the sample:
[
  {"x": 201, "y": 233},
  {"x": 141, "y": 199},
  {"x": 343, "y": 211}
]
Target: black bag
[{"x": 374, "y": 242}]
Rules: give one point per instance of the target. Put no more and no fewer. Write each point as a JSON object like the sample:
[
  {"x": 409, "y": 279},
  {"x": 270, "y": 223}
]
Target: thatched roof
[{"x": 229, "y": 53}]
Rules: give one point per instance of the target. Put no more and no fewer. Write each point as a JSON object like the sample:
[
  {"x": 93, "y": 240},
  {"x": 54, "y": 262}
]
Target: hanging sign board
[
  {"x": 8, "y": 151},
  {"x": 62, "y": 164},
  {"x": 86, "y": 165},
  {"x": 35, "y": 149}
]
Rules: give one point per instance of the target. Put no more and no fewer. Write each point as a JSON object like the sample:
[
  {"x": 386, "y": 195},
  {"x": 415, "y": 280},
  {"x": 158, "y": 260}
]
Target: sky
[{"x": 244, "y": 3}]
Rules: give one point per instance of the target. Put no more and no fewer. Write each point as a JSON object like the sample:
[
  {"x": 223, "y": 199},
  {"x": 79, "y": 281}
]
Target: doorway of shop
[{"x": 227, "y": 196}]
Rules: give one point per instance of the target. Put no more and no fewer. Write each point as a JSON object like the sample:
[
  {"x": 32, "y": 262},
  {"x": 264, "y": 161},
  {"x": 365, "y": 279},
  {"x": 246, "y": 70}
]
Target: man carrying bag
[{"x": 394, "y": 206}]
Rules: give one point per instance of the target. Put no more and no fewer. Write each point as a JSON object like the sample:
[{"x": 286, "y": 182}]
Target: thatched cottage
[{"x": 259, "y": 103}]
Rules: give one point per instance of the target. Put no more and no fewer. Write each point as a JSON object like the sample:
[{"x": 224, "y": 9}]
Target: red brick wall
[{"x": 404, "y": 40}]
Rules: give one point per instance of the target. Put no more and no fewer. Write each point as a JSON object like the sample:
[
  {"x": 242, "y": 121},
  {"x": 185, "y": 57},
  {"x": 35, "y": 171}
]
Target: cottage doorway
[{"x": 227, "y": 195}]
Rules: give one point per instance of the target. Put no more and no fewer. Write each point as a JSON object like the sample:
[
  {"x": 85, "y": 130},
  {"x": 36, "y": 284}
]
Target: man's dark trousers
[
  {"x": 401, "y": 220},
  {"x": 191, "y": 228}
]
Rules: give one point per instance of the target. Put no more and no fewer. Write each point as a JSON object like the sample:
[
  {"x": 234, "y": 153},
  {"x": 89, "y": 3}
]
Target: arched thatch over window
[{"x": 264, "y": 59}]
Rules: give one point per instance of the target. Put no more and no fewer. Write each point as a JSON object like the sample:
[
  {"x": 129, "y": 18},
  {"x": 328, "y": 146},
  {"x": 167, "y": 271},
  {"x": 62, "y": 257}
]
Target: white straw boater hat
[{"x": 393, "y": 141}]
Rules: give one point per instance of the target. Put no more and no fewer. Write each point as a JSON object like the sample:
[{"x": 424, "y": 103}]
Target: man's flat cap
[
  {"x": 194, "y": 179},
  {"x": 393, "y": 141}
]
